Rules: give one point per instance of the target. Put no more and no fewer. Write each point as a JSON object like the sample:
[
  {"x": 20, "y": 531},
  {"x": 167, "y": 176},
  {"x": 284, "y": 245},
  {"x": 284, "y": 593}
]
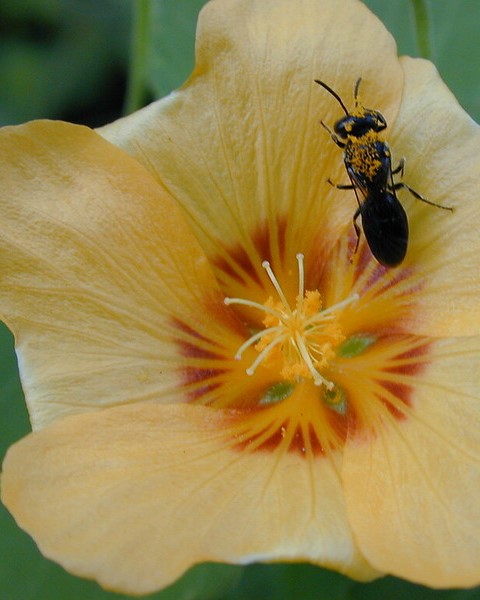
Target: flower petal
[
  {"x": 95, "y": 263},
  {"x": 442, "y": 146},
  {"x": 240, "y": 146},
  {"x": 133, "y": 496},
  {"x": 412, "y": 491}
]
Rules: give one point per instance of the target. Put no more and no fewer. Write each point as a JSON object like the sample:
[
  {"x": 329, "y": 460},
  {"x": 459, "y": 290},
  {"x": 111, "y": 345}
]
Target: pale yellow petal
[
  {"x": 133, "y": 496},
  {"x": 240, "y": 146},
  {"x": 441, "y": 144},
  {"x": 98, "y": 273},
  {"x": 412, "y": 488}
]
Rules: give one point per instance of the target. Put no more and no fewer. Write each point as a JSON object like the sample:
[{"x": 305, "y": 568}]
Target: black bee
[{"x": 367, "y": 159}]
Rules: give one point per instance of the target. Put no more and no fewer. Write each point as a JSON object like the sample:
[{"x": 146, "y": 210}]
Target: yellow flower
[{"x": 212, "y": 373}]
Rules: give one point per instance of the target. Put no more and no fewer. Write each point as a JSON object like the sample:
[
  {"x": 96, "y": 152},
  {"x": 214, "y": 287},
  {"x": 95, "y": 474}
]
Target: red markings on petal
[
  {"x": 304, "y": 443},
  {"x": 242, "y": 265}
]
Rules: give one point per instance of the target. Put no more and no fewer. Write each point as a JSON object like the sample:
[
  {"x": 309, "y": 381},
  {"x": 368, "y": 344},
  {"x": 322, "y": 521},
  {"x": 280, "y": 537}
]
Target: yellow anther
[{"x": 302, "y": 340}]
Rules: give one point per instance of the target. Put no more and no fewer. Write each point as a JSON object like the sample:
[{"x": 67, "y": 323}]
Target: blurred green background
[{"x": 69, "y": 59}]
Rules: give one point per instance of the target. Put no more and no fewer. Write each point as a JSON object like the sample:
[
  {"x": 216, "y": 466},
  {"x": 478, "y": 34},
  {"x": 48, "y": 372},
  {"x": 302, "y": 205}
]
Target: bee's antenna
[
  {"x": 334, "y": 94},
  {"x": 355, "y": 90}
]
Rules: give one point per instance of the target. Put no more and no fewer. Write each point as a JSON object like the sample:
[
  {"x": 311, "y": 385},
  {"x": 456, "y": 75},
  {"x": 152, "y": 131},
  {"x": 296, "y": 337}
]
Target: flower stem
[
  {"x": 136, "y": 92},
  {"x": 422, "y": 27}
]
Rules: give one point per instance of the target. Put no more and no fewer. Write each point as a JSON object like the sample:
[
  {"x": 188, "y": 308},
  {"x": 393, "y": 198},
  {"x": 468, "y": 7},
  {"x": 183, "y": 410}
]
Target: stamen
[
  {"x": 307, "y": 336},
  {"x": 332, "y": 309},
  {"x": 263, "y": 354},
  {"x": 263, "y": 307},
  {"x": 276, "y": 285},
  {"x": 317, "y": 378},
  {"x": 254, "y": 338},
  {"x": 301, "y": 281}
]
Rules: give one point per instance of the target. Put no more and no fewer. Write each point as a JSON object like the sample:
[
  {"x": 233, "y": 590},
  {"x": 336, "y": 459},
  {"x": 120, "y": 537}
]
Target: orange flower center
[{"x": 316, "y": 365}]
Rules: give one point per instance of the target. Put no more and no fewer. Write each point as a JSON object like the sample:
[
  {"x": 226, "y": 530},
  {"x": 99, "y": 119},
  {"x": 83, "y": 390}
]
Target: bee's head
[{"x": 359, "y": 122}]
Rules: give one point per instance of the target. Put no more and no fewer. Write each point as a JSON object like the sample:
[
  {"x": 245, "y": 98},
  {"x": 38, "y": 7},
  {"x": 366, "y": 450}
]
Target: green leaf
[
  {"x": 171, "y": 56},
  {"x": 291, "y": 582},
  {"x": 57, "y": 56},
  {"x": 209, "y": 581},
  {"x": 455, "y": 45},
  {"x": 454, "y": 38},
  {"x": 397, "y": 589}
]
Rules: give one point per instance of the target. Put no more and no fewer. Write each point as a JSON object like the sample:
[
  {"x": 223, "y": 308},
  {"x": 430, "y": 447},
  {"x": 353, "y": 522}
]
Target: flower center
[{"x": 301, "y": 339}]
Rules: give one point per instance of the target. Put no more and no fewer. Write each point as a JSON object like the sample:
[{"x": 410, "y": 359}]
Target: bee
[{"x": 368, "y": 163}]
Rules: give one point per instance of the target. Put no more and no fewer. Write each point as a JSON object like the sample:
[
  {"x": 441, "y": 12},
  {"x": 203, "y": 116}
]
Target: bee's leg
[
  {"x": 333, "y": 135},
  {"x": 341, "y": 186},
  {"x": 357, "y": 232},
  {"x": 402, "y": 185},
  {"x": 400, "y": 167}
]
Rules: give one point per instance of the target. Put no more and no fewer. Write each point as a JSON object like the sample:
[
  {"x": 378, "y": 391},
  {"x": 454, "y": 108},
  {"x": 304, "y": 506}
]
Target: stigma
[{"x": 300, "y": 339}]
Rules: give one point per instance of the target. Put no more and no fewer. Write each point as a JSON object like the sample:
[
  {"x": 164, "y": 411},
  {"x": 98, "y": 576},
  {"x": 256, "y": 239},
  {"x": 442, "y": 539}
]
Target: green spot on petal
[
  {"x": 277, "y": 393},
  {"x": 355, "y": 345},
  {"x": 336, "y": 399}
]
